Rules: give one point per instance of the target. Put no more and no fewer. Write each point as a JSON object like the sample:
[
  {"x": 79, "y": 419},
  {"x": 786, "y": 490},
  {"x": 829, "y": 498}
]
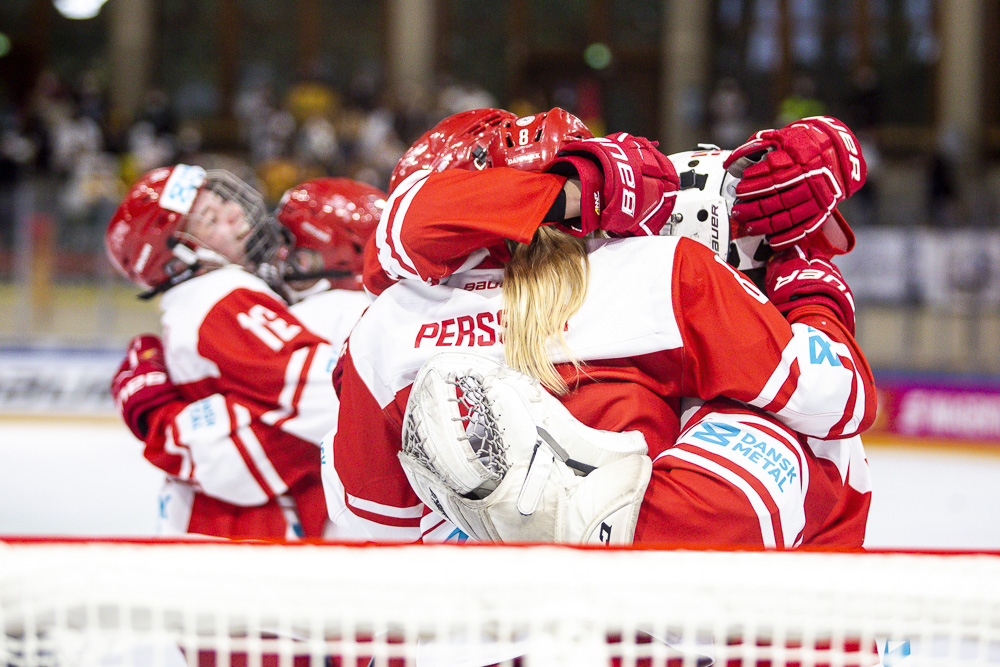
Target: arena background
[{"x": 94, "y": 94}]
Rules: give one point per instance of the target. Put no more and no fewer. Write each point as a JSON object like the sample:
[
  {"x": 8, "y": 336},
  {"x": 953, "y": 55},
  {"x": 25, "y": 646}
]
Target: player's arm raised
[
  {"x": 437, "y": 224},
  {"x": 793, "y": 178},
  {"x": 738, "y": 345}
]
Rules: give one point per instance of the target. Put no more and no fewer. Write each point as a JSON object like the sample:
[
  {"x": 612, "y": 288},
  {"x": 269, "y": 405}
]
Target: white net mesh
[{"x": 104, "y": 603}]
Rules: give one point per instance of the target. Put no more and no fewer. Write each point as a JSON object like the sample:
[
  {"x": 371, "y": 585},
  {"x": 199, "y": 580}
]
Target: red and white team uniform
[
  {"x": 649, "y": 331},
  {"x": 736, "y": 476},
  {"x": 241, "y": 448}
]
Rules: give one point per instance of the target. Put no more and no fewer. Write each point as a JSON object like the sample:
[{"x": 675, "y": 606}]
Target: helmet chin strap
[
  {"x": 194, "y": 258},
  {"x": 198, "y": 255}
]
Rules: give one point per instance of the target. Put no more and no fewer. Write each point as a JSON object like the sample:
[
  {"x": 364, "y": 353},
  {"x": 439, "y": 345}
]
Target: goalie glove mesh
[
  {"x": 482, "y": 433},
  {"x": 505, "y": 461}
]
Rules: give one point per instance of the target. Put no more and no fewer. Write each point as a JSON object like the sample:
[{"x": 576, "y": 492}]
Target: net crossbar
[{"x": 220, "y": 604}]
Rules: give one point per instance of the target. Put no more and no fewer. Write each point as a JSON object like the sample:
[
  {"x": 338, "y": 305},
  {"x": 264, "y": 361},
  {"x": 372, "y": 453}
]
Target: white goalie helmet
[{"x": 703, "y": 205}]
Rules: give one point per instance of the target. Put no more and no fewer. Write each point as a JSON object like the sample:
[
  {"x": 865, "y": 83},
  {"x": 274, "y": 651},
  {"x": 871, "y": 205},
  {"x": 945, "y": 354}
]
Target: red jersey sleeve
[
  {"x": 451, "y": 219},
  {"x": 809, "y": 373}
]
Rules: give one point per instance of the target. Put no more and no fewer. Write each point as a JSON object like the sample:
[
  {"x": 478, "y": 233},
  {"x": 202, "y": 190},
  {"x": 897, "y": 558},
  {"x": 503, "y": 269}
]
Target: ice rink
[{"x": 72, "y": 477}]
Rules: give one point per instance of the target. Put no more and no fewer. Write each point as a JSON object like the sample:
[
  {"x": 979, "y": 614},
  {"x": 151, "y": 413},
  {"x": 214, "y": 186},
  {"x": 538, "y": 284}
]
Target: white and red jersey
[
  {"x": 663, "y": 318},
  {"x": 738, "y": 477},
  {"x": 255, "y": 376},
  {"x": 422, "y": 238}
]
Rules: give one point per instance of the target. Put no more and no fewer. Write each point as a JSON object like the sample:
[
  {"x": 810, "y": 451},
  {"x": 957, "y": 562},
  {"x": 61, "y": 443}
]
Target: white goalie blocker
[{"x": 491, "y": 450}]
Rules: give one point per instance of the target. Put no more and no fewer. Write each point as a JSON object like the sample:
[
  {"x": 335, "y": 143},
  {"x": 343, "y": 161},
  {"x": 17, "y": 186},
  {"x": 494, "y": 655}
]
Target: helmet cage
[{"x": 262, "y": 236}]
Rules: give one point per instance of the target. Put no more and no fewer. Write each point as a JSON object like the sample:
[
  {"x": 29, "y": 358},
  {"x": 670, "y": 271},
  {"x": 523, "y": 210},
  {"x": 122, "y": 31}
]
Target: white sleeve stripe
[
  {"x": 256, "y": 452},
  {"x": 763, "y": 514},
  {"x": 801, "y": 408},
  {"x": 778, "y": 377},
  {"x": 414, "y": 512},
  {"x": 388, "y": 239},
  {"x": 294, "y": 377},
  {"x": 859, "y": 405},
  {"x": 171, "y": 446}
]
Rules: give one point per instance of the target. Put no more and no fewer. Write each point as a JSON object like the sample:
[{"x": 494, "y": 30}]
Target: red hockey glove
[
  {"x": 628, "y": 186},
  {"x": 799, "y": 277},
  {"x": 142, "y": 384},
  {"x": 793, "y": 178}
]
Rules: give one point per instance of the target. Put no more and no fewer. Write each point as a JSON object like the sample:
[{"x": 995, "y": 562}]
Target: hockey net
[{"x": 219, "y": 604}]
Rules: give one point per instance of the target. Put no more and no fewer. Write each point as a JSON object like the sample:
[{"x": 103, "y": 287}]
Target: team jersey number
[{"x": 267, "y": 326}]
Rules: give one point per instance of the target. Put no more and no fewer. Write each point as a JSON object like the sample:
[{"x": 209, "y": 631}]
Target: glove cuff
[
  {"x": 591, "y": 191},
  {"x": 817, "y": 299}
]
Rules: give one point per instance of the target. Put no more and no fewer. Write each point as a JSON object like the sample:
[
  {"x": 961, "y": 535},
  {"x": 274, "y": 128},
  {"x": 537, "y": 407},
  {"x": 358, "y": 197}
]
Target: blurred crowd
[
  {"x": 67, "y": 157},
  {"x": 66, "y": 160}
]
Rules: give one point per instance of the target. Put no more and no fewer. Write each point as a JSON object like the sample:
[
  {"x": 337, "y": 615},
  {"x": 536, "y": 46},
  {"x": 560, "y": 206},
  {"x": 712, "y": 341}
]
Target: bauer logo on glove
[
  {"x": 792, "y": 179},
  {"x": 635, "y": 183}
]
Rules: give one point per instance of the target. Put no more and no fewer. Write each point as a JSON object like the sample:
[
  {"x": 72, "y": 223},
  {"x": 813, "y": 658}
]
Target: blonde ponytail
[{"x": 544, "y": 285}]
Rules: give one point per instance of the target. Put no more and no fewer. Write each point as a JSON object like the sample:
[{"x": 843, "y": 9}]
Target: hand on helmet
[
  {"x": 793, "y": 178},
  {"x": 628, "y": 186}
]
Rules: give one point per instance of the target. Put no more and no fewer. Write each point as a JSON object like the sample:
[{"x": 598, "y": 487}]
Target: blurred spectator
[
  {"x": 456, "y": 96},
  {"x": 146, "y": 150},
  {"x": 945, "y": 204},
  {"x": 727, "y": 108},
  {"x": 266, "y": 129},
  {"x": 47, "y": 110},
  {"x": 16, "y": 154},
  {"x": 864, "y": 100},
  {"x": 90, "y": 97},
  {"x": 801, "y": 103},
  {"x": 379, "y": 144},
  {"x": 75, "y": 137},
  {"x": 863, "y": 115},
  {"x": 158, "y": 112}
]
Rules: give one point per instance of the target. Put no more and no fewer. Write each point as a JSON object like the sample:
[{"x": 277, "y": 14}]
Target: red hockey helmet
[
  {"x": 330, "y": 220},
  {"x": 530, "y": 143},
  {"x": 459, "y": 141},
  {"x": 178, "y": 221}
]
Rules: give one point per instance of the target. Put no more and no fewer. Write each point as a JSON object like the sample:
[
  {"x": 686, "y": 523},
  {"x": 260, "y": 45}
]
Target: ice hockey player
[{"x": 233, "y": 403}]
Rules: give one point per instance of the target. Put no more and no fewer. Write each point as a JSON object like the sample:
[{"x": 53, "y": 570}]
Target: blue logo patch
[
  {"x": 819, "y": 350},
  {"x": 717, "y": 433},
  {"x": 772, "y": 461},
  {"x": 202, "y": 415}
]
